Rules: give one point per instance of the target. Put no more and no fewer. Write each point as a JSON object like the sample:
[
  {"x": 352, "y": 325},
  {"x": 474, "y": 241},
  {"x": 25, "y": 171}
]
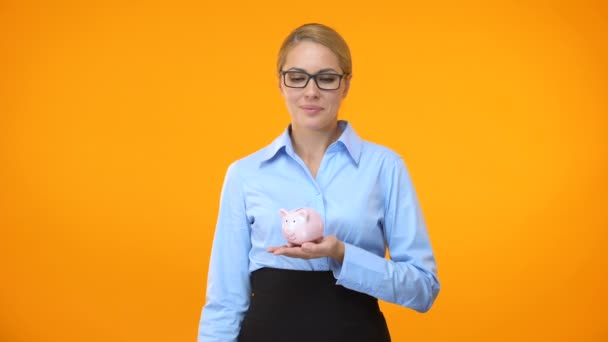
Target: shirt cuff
[{"x": 360, "y": 270}]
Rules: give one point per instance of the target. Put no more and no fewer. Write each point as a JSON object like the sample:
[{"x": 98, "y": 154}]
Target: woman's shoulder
[
  {"x": 371, "y": 151},
  {"x": 252, "y": 161}
]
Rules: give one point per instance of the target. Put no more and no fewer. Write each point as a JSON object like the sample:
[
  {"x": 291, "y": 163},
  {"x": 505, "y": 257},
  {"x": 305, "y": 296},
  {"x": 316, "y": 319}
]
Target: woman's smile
[{"x": 311, "y": 109}]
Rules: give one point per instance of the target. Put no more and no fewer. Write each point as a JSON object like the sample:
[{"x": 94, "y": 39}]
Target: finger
[
  {"x": 273, "y": 248},
  {"x": 293, "y": 252},
  {"x": 278, "y": 250},
  {"x": 283, "y": 250}
]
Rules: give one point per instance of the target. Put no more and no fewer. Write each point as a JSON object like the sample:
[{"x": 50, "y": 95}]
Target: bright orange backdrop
[{"x": 117, "y": 123}]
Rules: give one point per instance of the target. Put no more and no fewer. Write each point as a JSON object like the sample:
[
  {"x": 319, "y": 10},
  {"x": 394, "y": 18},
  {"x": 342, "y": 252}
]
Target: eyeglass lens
[{"x": 296, "y": 79}]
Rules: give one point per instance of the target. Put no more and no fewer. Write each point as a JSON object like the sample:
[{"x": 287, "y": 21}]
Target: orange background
[{"x": 118, "y": 121}]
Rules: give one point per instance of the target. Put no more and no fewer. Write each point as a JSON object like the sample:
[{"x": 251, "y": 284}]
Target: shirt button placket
[{"x": 319, "y": 206}]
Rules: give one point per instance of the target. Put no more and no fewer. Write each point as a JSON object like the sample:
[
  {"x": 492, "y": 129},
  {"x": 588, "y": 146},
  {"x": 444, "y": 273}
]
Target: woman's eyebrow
[
  {"x": 326, "y": 70},
  {"x": 318, "y": 72}
]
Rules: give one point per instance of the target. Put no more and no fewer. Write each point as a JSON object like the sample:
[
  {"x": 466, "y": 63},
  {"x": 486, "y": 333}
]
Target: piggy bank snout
[{"x": 301, "y": 225}]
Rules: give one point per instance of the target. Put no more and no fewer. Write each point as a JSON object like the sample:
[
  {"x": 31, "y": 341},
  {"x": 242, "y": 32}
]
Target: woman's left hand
[{"x": 329, "y": 246}]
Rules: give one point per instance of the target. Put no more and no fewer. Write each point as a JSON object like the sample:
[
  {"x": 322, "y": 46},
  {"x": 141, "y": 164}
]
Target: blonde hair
[{"x": 320, "y": 34}]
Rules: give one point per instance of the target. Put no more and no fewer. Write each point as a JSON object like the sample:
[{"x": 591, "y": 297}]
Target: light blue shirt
[{"x": 365, "y": 196}]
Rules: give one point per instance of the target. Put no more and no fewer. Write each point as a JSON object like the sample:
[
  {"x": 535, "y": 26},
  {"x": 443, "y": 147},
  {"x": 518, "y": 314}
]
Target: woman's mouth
[{"x": 310, "y": 109}]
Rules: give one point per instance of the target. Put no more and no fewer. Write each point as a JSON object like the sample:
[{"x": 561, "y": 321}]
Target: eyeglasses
[{"x": 323, "y": 80}]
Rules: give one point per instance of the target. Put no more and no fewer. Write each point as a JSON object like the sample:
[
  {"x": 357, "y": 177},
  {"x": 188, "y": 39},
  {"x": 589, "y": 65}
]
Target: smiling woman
[{"x": 259, "y": 288}]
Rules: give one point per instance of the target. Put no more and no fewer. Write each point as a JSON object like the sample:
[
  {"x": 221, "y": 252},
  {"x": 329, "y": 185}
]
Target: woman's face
[{"x": 312, "y": 108}]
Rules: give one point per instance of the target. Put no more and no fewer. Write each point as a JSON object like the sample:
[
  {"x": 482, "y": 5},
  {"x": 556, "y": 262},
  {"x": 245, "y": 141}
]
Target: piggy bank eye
[{"x": 294, "y": 221}]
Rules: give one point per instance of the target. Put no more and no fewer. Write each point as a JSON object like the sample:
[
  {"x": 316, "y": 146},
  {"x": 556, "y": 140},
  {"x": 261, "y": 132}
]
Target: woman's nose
[{"x": 312, "y": 90}]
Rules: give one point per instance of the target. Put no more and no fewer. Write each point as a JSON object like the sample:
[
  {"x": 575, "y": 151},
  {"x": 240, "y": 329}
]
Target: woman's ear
[
  {"x": 346, "y": 85},
  {"x": 280, "y": 84}
]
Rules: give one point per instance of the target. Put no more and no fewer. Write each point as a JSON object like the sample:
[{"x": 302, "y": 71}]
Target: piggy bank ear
[
  {"x": 282, "y": 212},
  {"x": 303, "y": 214}
]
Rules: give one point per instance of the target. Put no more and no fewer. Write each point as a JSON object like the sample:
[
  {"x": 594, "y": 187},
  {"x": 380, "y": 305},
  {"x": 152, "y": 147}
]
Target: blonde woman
[{"x": 260, "y": 289}]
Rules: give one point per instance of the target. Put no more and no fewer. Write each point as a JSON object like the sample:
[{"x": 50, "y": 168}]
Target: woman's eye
[{"x": 328, "y": 79}]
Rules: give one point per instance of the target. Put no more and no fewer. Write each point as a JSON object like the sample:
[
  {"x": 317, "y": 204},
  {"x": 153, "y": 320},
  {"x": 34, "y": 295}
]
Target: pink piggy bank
[{"x": 301, "y": 225}]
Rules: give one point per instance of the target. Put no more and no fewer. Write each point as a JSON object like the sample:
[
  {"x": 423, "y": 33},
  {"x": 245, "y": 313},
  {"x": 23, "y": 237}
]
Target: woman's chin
[{"x": 316, "y": 123}]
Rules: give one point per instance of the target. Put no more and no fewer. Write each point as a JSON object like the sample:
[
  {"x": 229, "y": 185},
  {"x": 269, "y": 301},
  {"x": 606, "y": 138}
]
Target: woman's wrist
[{"x": 338, "y": 254}]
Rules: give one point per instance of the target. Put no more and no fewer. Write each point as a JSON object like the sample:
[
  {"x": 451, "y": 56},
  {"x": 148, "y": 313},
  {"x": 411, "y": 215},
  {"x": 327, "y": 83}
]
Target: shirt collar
[{"x": 348, "y": 139}]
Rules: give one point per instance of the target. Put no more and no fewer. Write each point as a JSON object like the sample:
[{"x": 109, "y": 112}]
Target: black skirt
[{"x": 288, "y": 305}]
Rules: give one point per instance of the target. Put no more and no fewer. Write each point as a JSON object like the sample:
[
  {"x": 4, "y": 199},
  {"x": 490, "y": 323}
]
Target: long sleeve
[
  {"x": 228, "y": 284},
  {"x": 409, "y": 278}
]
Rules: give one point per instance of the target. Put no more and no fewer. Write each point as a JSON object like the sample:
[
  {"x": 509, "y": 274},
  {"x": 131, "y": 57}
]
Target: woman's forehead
[{"x": 311, "y": 57}]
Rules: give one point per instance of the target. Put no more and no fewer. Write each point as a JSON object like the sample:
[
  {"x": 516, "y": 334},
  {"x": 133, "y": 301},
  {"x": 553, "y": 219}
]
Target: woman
[{"x": 259, "y": 289}]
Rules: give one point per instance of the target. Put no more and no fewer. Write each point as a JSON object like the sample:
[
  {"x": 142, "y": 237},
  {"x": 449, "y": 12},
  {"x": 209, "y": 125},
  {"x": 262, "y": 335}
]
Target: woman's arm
[
  {"x": 409, "y": 278},
  {"x": 228, "y": 284}
]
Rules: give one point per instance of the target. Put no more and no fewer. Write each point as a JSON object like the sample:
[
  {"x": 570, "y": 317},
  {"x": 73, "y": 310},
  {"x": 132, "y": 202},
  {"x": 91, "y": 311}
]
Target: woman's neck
[{"x": 311, "y": 145}]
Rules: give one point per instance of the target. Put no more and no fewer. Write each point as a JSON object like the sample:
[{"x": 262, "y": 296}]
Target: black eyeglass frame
[{"x": 313, "y": 76}]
